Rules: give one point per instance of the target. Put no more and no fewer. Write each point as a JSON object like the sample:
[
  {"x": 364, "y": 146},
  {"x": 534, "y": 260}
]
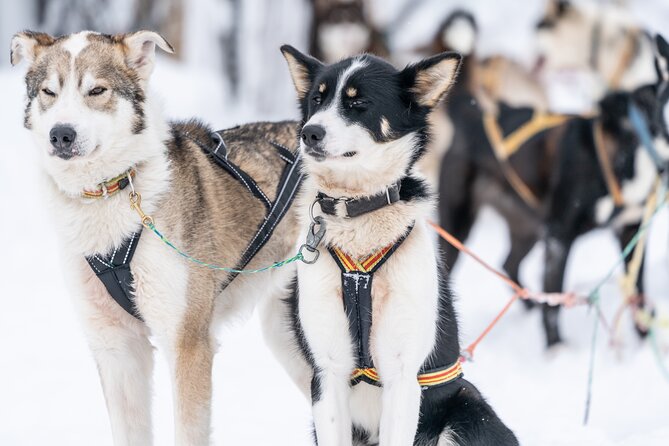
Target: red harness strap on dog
[{"x": 357, "y": 275}]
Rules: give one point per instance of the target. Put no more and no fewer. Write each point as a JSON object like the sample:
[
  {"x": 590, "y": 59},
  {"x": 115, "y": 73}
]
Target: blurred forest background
[{"x": 235, "y": 42}]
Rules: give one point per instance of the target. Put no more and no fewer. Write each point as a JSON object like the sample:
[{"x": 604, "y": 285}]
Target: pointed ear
[
  {"x": 26, "y": 45},
  {"x": 302, "y": 69},
  {"x": 141, "y": 50},
  {"x": 662, "y": 57},
  {"x": 430, "y": 79}
]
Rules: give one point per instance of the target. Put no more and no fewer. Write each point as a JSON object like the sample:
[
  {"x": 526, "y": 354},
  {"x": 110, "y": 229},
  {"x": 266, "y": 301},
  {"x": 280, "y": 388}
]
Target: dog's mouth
[{"x": 321, "y": 155}]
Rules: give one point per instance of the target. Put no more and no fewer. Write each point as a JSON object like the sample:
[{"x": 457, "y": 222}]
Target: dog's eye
[
  {"x": 317, "y": 100},
  {"x": 97, "y": 91},
  {"x": 356, "y": 104},
  {"x": 48, "y": 92}
]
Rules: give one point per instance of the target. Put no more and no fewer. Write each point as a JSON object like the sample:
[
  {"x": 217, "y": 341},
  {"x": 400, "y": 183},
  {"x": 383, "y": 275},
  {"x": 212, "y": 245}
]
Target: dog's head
[
  {"x": 602, "y": 39},
  {"x": 342, "y": 28},
  {"x": 459, "y": 32},
  {"x": 363, "y": 120},
  {"x": 85, "y": 91},
  {"x": 662, "y": 68}
]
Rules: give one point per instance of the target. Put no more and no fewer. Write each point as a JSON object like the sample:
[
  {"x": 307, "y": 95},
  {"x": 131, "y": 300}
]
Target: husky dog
[
  {"x": 341, "y": 28},
  {"x": 91, "y": 115},
  {"x": 563, "y": 170},
  {"x": 601, "y": 40},
  {"x": 364, "y": 128}
]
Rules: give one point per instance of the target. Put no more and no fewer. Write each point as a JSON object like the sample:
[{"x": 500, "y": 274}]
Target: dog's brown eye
[
  {"x": 355, "y": 104},
  {"x": 317, "y": 100},
  {"x": 48, "y": 92},
  {"x": 97, "y": 91}
]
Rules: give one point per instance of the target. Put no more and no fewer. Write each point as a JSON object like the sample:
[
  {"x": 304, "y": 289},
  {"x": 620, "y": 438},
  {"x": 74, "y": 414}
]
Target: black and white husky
[{"x": 365, "y": 125}]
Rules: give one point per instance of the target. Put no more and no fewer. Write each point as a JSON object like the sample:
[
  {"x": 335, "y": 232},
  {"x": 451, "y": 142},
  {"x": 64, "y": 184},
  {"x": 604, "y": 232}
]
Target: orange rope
[
  {"x": 564, "y": 299},
  {"x": 468, "y": 353}
]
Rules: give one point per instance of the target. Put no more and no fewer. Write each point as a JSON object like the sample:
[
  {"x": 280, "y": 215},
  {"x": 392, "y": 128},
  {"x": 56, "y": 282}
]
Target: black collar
[{"x": 355, "y": 207}]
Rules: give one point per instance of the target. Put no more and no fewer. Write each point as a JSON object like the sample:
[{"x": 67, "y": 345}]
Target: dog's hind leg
[
  {"x": 469, "y": 420},
  {"x": 520, "y": 247},
  {"x": 279, "y": 324}
]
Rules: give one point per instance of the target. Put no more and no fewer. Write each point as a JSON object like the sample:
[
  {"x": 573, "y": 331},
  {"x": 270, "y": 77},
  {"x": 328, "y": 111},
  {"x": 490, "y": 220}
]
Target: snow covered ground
[{"x": 49, "y": 389}]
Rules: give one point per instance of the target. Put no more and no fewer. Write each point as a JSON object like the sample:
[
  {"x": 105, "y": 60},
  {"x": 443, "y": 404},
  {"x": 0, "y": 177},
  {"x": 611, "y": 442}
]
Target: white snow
[{"x": 49, "y": 389}]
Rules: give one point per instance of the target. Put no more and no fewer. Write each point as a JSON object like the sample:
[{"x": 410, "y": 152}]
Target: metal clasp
[
  {"x": 314, "y": 237},
  {"x": 136, "y": 204}
]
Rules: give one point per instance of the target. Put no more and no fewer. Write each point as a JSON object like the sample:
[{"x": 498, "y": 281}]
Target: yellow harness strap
[
  {"x": 505, "y": 147},
  {"x": 605, "y": 163},
  {"x": 427, "y": 379}
]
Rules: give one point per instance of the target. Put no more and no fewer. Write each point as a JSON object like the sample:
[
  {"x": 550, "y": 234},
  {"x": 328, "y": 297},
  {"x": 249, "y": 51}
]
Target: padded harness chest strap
[
  {"x": 356, "y": 276},
  {"x": 114, "y": 272}
]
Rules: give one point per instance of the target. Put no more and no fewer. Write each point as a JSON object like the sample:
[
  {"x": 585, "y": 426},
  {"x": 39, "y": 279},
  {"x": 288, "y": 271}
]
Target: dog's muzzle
[{"x": 62, "y": 139}]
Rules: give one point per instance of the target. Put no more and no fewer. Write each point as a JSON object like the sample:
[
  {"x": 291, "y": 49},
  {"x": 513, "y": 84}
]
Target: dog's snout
[
  {"x": 62, "y": 138},
  {"x": 312, "y": 135}
]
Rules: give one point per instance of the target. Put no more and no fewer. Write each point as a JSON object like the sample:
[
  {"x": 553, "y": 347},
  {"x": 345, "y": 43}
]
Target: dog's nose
[
  {"x": 62, "y": 137},
  {"x": 312, "y": 135}
]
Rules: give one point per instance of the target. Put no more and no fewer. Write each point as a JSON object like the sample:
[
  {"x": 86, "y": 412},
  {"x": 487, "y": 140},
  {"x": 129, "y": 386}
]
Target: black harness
[
  {"x": 113, "y": 270},
  {"x": 356, "y": 279}
]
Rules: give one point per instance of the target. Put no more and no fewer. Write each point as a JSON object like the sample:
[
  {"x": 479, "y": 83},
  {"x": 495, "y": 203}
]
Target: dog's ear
[
  {"x": 302, "y": 69},
  {"x": 140, "y": 51},
  {"x": 430, "y": 79},
  {"x": 662, "y": 58},
  {"x": 27, "y": 44}
]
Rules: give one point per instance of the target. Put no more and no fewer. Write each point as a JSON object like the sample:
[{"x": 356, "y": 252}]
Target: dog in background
[
  {"x": 599, "y": 40},
  {"x": 342, "y": 28},
  {"x": 99, "y": 131},
  {"x": 365, "y": 125}
]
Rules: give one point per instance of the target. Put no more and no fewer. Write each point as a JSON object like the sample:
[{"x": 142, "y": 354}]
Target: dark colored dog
[{"x": 561, "y": 168}]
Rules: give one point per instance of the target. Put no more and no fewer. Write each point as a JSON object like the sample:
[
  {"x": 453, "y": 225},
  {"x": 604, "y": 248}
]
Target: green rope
[
  {"x": 295, "y": 258},
  {"x": 658, "y": 354},
  {"x": 594, "y": 296}
]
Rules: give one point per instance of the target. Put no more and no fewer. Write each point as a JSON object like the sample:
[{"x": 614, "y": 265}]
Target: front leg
[
  {"x": 330, "y": 393},
  {"x": 557, "y": 252},
  {"x": 177, "y": 305},
  {"x": 124, "y": 358},
  {"x": 637, "y": 298}
]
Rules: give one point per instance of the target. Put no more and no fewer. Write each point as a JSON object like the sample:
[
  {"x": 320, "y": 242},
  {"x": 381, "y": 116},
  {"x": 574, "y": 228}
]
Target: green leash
[
  {"x": 295, "y": 258},
  {"x": 313, "y": 240}
]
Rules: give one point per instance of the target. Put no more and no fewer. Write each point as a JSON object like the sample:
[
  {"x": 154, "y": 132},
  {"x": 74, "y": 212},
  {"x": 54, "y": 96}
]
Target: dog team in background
[{"x": 365, "y": 323}]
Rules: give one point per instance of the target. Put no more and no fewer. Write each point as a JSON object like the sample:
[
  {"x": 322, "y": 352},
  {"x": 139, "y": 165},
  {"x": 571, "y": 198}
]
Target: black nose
[
  {"x": 312, "y": 135},
  {"x": 62, "y": 137}
]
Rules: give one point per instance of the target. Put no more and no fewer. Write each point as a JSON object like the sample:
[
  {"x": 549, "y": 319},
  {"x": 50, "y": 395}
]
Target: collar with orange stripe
[{"x": 110, "y": 187}]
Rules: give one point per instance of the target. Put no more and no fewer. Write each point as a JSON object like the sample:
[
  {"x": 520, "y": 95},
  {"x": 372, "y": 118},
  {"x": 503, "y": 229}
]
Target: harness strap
[
  {"x": 289, "y": 185},
  {"x": 114, "y": 272},
  {"x": 426, "y": 379},
  {"x": 357, "y": 276},
  {"x": 505, "y": 147},
  {"x": 605, "y": 164},
  {"x": 643, "y": 132},
  {"x": 220, "y": 155},
  {"x": 494, "y": 134}
]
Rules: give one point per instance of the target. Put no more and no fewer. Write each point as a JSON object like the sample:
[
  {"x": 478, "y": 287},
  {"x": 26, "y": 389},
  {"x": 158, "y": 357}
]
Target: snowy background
[{"x": 49, "y": 389}]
